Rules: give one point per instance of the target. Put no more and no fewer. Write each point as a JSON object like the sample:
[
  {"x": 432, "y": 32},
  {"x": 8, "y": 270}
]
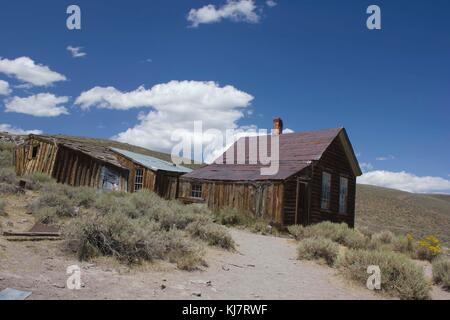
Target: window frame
[
  {"x": 341, "y": 203},
  {"x": 34, "y": 151},
  {"x": 325, "y": 197},
  {"x": 138, "y": 179},
  {"x": 196, "y": 191}
]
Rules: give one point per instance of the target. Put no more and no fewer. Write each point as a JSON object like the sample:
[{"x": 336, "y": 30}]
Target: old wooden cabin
[
  {"x": 316, "y": 180},
  {"x": 79, "y": 162}
]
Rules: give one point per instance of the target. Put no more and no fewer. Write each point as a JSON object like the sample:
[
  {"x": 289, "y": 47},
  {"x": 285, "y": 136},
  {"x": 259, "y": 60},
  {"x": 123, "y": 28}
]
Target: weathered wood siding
[
  {"x": 264, "y": 200},
  {"x": 43, "y": 161},
  {"x": 337, "y": 164},
  {"x": 78, "y": 169},
  {"x": 149, "y": 176}
]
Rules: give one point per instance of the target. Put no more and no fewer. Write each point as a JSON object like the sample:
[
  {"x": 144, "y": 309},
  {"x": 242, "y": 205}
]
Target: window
[
  {"x": 196, "y": 191},
  {"x": 138, "y": 179},
  {"x": 35, "y": 152},
  {"x": 326, "y": 190},
  {"x": 343, "y": 195}
]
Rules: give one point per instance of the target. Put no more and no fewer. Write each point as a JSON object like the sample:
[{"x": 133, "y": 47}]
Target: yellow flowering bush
[{"x": 429, "y": 248}]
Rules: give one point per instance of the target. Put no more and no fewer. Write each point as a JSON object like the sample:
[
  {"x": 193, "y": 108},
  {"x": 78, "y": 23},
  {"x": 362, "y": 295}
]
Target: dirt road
[{"x": 263, "y": 268}]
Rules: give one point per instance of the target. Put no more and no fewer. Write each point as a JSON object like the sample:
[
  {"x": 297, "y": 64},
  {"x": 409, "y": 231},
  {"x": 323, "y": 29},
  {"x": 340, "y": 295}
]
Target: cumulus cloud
[
  {"x": 26, "y": 70},
  {"x": 234, "y": 10},
  {"x": 4, "y": 127},
  {"x": 4, "y": 88},
  {"x": 366, "y": 166},
  {"x": 175, "y": 105},
  {"x": 76, "y": 52},
  {"x": 405, "y": 181},
  {"x": 40, "y": 105}
]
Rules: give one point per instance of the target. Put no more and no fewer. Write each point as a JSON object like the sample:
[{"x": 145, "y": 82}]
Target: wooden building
[
  {"x": 84, "y": 163},
  {"x": 315, "y": 181}
]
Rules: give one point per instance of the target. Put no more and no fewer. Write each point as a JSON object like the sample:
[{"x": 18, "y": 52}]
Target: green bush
[
  {"x": 441, "y": 271},
  {"x": 235, "y": 217},
  {"x": 213, "y": 234},
  {"x": 399, "y": 275},
  {"x": 317, "y": 248},
  {"x": 37, "y": 180}
]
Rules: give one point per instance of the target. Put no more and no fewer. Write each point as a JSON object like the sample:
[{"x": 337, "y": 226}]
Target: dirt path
[{"x": 263, "y": 268}]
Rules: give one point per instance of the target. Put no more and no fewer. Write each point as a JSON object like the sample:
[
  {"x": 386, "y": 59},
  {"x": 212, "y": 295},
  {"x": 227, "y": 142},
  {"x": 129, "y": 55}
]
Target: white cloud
[
  {"x": 176, "y": 105},
  {"x": 15, "y": 130},
  {"x": 24, "y": 69},
  {"x": 76, "y": 52},
  {"x": 405, "y": 181},
  {"x": 234, "y": 10},
  {"x": 40, "y": 105},
  {"x": 271, "y": 3},
  {"x": 366, "y": 166},
  {"x": 4, "y": 88},
  {"x": 385, "y": 158}
]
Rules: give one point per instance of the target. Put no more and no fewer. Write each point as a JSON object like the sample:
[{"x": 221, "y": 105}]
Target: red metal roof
[{"x": 296, "y": 152}]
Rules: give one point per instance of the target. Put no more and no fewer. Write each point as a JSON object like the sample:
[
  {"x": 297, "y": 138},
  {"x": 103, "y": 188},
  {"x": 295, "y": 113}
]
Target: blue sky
[{"x": 313, "y": 63}]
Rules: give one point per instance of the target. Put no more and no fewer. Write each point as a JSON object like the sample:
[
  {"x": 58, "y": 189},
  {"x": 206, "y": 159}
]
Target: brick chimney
[{"x": 277, "y": 126}]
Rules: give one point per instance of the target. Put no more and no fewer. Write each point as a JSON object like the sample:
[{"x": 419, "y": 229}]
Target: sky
[{"x": 138, "y": 71}]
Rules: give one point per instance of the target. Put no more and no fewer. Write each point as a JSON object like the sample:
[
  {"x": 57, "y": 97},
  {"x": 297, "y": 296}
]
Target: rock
[
  {"x": 163, "y": 286},
  {"x": 10, "y": 224},
  {"x": 204, "y": 282},
  {"x": 24, "y": 221},
  {"x": 197, "y": 294},
  {"x": 59, "y": 286}
]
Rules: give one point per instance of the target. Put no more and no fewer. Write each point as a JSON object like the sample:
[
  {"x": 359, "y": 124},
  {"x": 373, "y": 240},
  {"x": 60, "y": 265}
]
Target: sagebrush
[{"x": 399, "y": 275}]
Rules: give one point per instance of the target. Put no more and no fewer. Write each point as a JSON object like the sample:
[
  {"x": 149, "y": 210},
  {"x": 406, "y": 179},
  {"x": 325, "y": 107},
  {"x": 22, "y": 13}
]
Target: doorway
[{"x": 302, "y": 204}]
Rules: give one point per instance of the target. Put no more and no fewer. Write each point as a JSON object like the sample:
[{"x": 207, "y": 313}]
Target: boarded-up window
[
  {"x": 343, "y": 195},
  {"x": 326, "y": 190},
  {"x": 139, "y": 179},
  {"x": 196, "y": 191}
]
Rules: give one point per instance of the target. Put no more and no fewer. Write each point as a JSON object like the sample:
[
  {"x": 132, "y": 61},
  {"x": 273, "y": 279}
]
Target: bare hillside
[{"x": 402, "y": 212}]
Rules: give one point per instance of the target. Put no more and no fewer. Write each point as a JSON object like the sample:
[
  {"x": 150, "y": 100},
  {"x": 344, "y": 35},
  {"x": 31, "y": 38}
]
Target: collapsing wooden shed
[
  {"x": 316, "y": 180},
  {"x": 78, "y": 163}
]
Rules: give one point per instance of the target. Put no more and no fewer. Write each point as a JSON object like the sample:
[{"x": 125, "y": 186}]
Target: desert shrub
[
  {"x": 317, "y": 248},
  {"x": 235, "y": 217},
  {"x": 441, "y": 271},
  {"x": 8, "y": 175},
  {"x": 339, "y": 233},
  {"x": 62, "y": 205},
  {"x": 6, "y": 154},
  {"x": 428, "y": 248},
  {"x": 47, "y": 215},
  {"x": 405, "y": 244},
  {"x": 297, "y": 231},
  {"x": 2, "y": 207},
  {"x": 131, "y": 240},
  {"x": 6, "y": 188},
  {"x": 399, "y": 275},
  {"x": 37, "y": 180},
  {"x": 213, "y": 234}
]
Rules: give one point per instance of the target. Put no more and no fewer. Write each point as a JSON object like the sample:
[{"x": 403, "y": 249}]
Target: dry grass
[{"x": 379, "y": 209}]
